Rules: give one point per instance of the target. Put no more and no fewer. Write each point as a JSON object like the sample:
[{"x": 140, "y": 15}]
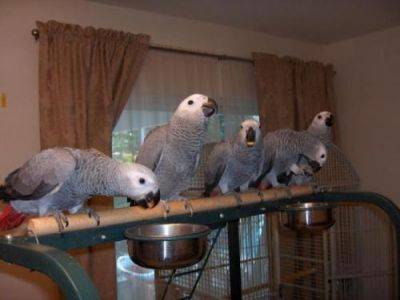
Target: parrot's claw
[
  {"x": 188, "y": 206},
  {"x": 288, "y": 191},
  {"x": 165, "y": 208},
  {"x": 261, "y": 195},
  {"x": 239, "y": 200},
  {"x": 62, "y": 220},
  {"x": 93, "y": 214}
]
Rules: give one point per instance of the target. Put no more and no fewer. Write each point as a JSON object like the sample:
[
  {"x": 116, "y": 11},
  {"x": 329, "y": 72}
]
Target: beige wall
[
  {"x": 19, "y": 122},
  {"x": 19, "y": 129},
  {"x": 367, "y": 86}
]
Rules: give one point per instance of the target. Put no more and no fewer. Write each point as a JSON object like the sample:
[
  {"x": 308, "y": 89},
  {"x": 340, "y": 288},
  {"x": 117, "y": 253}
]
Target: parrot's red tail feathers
[{"x": 10, "y": 218}]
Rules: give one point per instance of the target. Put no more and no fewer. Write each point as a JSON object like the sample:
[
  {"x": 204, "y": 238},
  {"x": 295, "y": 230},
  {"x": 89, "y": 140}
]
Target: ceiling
[{"x": 318, "y": 21}]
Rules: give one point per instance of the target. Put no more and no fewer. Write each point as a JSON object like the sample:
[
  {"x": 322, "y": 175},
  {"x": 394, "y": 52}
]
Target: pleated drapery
[
  {"x": 291, "y": 92},
  {"x": 85, "y": 78}
]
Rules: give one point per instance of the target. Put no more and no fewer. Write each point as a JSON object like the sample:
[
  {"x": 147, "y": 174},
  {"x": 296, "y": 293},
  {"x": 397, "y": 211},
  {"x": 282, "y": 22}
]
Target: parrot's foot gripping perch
[
  {"x": 61, "y": 219},
  {"x": 188, "y": 206},
  {"x": 288, "y": 191},
  {"x": 261, "y": 195},
  {"x": 165, "y": 208},
  {"x": 93, "y": 214},
  {"x": 239, "y": 200}
]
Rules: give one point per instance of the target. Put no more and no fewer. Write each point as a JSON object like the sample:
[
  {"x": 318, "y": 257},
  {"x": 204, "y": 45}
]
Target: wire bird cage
[
  {"x": 214, "y": 283},
  {"x": 352, "y": 260}
]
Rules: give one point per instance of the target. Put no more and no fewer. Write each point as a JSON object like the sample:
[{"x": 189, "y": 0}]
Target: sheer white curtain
[
  {"x": 165, "y": 79},
  {"x": 237, "y": 94}
]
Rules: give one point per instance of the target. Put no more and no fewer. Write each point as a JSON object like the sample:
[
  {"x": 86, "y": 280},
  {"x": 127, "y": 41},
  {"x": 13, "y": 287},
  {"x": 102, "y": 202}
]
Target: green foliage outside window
[{"x": 125, "y": 145}]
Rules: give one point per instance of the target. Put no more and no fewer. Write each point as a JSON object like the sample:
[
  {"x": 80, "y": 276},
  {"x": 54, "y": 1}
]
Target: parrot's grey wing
[
  {"x": 39, "y": 176},
  {"x": 269, "y": 153},
  {"x": 150, "y": 152},
  {"x": 267, "y": 164},
  {"x": 216, "y": 165}
]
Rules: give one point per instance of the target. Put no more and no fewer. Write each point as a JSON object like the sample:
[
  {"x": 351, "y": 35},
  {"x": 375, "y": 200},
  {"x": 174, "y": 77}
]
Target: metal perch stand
[
  {"x": 49, "y": 257},
  {"x": 199, "y": 270}
]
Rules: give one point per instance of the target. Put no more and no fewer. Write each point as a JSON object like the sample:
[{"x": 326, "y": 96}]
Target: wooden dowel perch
[{"x": 48, "y": 225}]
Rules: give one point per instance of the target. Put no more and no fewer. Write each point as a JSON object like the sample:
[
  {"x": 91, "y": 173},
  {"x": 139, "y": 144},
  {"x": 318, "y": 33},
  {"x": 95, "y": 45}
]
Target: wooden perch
[{"x": 48, "y": 225}]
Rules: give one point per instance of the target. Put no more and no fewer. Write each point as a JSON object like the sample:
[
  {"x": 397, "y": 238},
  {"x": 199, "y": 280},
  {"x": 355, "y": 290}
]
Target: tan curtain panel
[
  {"x": 291, "y": 92},
  {"x": 85, "y": 78}
]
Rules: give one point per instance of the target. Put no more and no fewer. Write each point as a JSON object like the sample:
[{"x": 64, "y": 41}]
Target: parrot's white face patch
[
  {"x": 321, "y": 118},
  {"x": 141, "y": 181},
  {"x": 321, "y": 154},
  {"x": 250, "y": 132},
  {"x": 193, "y": 107}
]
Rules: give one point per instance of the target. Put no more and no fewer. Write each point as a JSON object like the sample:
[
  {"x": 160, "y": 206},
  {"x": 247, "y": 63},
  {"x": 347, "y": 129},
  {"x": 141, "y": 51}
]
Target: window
[{"x": 165, "y": 79}]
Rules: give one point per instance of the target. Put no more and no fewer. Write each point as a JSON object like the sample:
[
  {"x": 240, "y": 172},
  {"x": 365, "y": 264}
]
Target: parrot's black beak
[
  {"x": 250, "y": 137},
  {"x": 284, "y": 178},
  {"x": 329, "y": 121},
  {"x": 149, "y": 201},
  {"x": 210, "y": 107},
  {"x": 315, "y": 166}
]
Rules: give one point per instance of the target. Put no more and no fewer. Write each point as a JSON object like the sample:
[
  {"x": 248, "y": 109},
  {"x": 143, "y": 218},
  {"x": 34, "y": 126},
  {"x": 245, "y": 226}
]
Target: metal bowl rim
[
  {"x": 306, "y": 206},
  {"x": 134, "y": 236}
]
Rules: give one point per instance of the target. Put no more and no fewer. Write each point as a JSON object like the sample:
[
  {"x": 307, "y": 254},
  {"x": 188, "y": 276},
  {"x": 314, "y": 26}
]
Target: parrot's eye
[
  {"x": 190, "y": 102},
  {"x": 259, "y": 126},
  {"x": 323, "y": 156},
  {"x": 319, "y": 117},
  {"x": 241, "y": 127},
  {"x": 142, "y": 180}
]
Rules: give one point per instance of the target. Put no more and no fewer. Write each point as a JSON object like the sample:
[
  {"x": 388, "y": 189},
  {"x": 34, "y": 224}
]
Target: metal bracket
[{"x": 234, "y": 260}]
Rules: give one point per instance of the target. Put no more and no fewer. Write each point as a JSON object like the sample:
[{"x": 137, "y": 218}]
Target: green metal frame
[
  {"x": 61, "y": 267},
  {"x": 49, "y": 257}
]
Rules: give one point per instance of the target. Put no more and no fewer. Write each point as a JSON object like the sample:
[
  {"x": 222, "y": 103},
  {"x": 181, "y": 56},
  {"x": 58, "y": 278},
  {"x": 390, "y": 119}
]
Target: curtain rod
[
  {"x": 198, "y": 53},
  {"x": 36, "y": 34}
]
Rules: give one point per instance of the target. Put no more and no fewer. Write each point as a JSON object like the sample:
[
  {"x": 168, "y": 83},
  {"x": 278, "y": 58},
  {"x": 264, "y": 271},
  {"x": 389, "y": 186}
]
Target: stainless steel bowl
[
  {"x": 167, "y": 246},
  {"x": 309, "y": 216}
]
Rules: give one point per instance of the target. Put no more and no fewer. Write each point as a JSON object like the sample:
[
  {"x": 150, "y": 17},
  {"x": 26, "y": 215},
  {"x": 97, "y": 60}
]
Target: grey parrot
[
  {"x": 320, "y": 127},
  {"x": 233, "y": 164},
  {"x": 173, "y": 150},
  {"x": 288, "y": 152},
  {"x": 62, "y": 179}
]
